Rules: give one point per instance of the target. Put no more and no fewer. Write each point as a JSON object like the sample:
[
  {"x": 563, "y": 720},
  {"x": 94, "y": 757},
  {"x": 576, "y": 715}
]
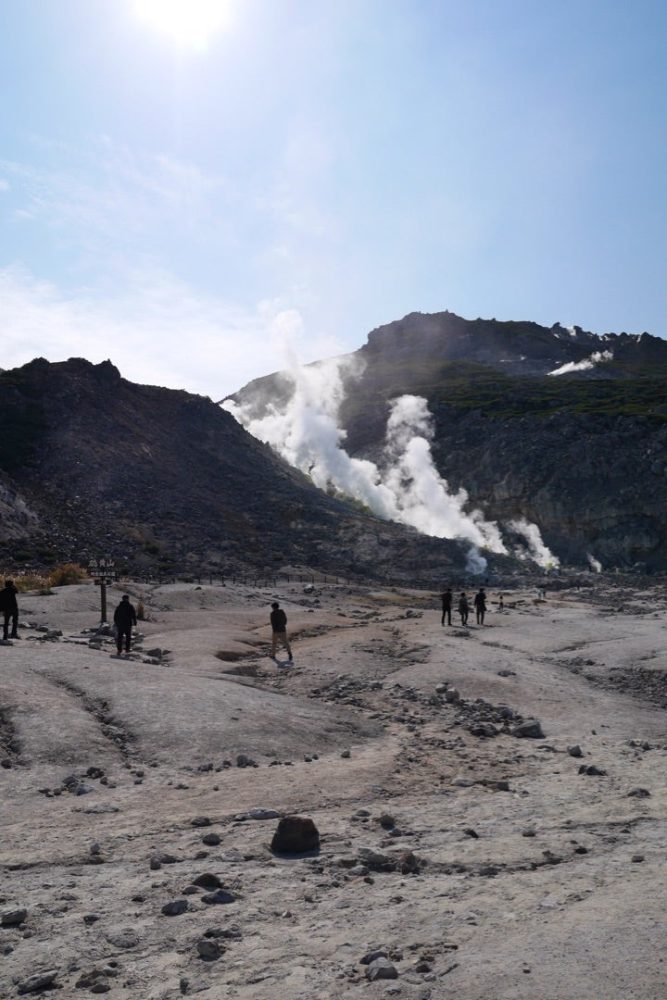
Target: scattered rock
[
  {"x": 207, "y": 881},
  {"x": 371, "y": 956},
  {"x": 219, "y": 897},
  {"x": 38, "y": 981},
  {"x": 294, "y": 835},
  {"x": 639, "y": 793},
  {"x": 211, "y": 839},
  {"x": 200, "y": 821},
  {"x": 175, "y": 908},
  {"x": 592, "y": 770},
  {"x": 575, "y": 751},
  {"x": 530, "y": 729},
  {"x": 12, "y": 918},
  {"x": 381, "y": 968},
  {"x": 258, "y": 814},
  {"x": 209, "y": 950}
]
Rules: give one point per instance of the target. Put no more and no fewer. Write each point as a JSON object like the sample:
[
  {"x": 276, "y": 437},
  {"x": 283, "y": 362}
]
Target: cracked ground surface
[{"x": 524, "y": 878}]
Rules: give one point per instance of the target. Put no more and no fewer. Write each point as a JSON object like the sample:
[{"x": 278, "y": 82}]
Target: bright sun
[{"x": 189, "y": 22}]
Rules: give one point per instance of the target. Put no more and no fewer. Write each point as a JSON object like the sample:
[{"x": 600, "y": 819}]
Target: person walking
[
  {"x": 279, "y": 631},
  {"x": 446, "y": 597},
  {"x": 10, "y": 610},
  {"x": 480, "y": 605},
  {"x": 124, "y": 617},
  {"x": 464, "y": 608}
]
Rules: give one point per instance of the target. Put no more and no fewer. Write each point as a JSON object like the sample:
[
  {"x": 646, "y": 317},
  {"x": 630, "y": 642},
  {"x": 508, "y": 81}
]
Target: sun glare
[{"x": 190, "y": 23}]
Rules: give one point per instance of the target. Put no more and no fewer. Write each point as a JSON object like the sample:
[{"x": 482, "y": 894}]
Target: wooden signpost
[{"x": 103, "y": 572}]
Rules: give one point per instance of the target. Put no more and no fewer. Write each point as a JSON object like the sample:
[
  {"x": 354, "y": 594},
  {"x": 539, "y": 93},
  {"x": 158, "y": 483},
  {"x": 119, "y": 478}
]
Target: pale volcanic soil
[{"x": 528, "y": 880}]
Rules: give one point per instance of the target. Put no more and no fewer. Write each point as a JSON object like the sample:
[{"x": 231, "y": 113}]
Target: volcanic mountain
[
  {"x": 162, "y": 480},
  {"x": 564, "y": 428}
]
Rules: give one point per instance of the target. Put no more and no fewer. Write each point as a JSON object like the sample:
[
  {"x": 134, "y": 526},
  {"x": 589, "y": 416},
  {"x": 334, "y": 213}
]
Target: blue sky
[{"x": 197, "y": 210}]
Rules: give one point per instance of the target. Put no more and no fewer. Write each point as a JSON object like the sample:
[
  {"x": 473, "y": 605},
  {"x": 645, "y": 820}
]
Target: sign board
[{"x": 102, "y": 570}]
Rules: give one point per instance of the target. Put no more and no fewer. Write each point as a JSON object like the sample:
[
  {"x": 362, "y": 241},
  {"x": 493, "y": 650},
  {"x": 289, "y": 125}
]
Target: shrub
[
  {"x": 28, "y": 581},
  {"x": 66, "y": 573}
]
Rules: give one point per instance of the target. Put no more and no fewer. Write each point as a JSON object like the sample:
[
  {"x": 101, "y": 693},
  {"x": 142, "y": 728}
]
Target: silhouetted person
[
  {"x": 279, "y": 630},
  {"x": 480, "y": 605},
  {"x": 464, "y": 608},
  {"x": 10, "y": 610},
  {"x": 501, "y": 603},
  {"x": 124, "y": 617},
  {"x": 446, "y": 597}
]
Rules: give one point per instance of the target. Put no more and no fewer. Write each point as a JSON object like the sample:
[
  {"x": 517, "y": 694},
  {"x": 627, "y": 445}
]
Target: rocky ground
[{"x": 464, "y": 849}]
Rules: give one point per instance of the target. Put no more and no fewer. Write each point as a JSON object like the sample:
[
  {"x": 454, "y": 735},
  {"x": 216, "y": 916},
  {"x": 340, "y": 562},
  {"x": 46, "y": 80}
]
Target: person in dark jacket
[
  {"x": 124, "y": 617},
  {"x": 279, "y": 630},
  {"x": 480, "y": 605},
  {"x": 10, "y": 610},
  {"x": 464, "y": 608},
  {"x": 446, "y": 597}
]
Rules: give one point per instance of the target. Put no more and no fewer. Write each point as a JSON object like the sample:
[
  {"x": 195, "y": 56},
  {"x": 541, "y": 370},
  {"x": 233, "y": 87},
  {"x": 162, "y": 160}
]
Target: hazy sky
[{"x": 193, "y": 187}]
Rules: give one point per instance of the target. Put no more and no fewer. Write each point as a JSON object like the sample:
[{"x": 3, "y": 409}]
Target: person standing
[
  {"x": 279, "y": 631},
  {"x": 464, "y": 608},
  {"x": 446, "y": 597},
  {"x": 124, "y": 617},
  {"x": 10, "y": 609},
  {"x": 480, "y": 605}
]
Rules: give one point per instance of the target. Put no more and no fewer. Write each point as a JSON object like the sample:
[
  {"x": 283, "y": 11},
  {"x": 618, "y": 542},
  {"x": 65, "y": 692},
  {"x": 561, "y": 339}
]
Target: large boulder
[{"x": 294, "y": 835}]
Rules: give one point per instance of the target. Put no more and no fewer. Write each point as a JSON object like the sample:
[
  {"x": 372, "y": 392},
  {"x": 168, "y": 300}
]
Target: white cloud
[
  {"x": 4, "y": 184},
  {"x": 155, "y": 328}
]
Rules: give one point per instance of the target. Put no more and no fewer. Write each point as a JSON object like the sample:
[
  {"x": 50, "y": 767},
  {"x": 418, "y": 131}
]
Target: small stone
[
  {"x": 386, "y": 821},
  {"x": 381, "y": 968},
  {"x": 39, "y": 981},
  {"x": 220, "y": 896},
  {"x": 12, "y": 918},
  {"x": 211, "y": 839},
  {"x": 452, "y": 695},
  {"x": 637, "y": 858},
  {"x": 469, "y": 832},
  {"x": 207, "y": 881},
  {"x": 372, "y": 955},
  {"x": 209, "y": 950},
  {"x": 639, "y": 793},
  {"x": 530, "y": 729},
  {"x": 485, "y": 730},
  {"x": 175, "y": 908},
  {"x": 155, "y": 864},
  {"x": 200, "y": 821},
  {"x": 90, "y": 918},
  {"x": 346, "y": 754},
  {"x": 575, "y": 751}
]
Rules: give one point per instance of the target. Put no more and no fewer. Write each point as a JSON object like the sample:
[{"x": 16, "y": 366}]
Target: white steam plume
[
  {"x": 406, "y": 488},
  {"x": 596, "y": 358},
  {"x": 594, "y": 563},
  {"x": 536, "y": 549}
]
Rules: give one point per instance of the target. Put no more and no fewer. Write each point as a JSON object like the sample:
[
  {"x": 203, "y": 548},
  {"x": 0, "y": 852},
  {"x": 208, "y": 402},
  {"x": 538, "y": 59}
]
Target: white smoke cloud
[
  {"x": 596, "y": 358},
  {"x": 536, "y": 549},
  {"x": 405, "y": 487},
  {"x": 594, "y": 563}
]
